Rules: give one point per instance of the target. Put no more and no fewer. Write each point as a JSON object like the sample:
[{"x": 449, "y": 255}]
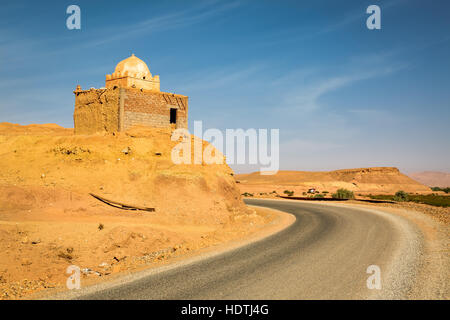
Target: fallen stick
[{"x": 119, "y": 205}]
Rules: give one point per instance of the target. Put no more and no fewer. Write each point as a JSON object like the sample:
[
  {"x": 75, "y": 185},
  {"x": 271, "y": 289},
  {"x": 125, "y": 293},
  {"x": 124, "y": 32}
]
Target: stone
[{"x": 127, "y": 150}]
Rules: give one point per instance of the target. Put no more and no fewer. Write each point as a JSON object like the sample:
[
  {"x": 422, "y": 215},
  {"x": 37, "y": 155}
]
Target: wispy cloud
[
  {"x": 306, "y": 97},
  {"x": 222, "y": 77},
  {"x": 308, "y": 31},
  {"x": 176, "y": 20},
  {"x": 17, "y": 47}
]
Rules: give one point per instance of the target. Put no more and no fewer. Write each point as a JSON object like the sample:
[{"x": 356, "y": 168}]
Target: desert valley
[{"x": 288, "y": 151}]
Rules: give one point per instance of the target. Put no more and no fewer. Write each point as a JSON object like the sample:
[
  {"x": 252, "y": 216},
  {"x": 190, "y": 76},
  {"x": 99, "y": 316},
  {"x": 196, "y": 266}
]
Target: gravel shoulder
[
  {"x": 433, "y": 278},
  {"x": 278, "y": 221}
]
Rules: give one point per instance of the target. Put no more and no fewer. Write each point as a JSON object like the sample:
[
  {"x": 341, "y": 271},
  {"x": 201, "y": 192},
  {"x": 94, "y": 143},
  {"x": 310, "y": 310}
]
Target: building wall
[
  {"x": 151, "y": 108},
  {"x": 129, "y": 82},
  {"x": 96, "y": 110},
  {"x": 118, "y": 109}
]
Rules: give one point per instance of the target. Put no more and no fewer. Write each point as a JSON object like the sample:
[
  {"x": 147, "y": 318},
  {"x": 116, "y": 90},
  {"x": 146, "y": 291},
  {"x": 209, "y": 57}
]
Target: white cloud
[{"x": 306, "y": 97}]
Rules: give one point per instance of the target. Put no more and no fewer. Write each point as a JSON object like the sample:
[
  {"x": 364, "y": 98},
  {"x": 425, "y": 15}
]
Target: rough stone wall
[
  {"x": 129, "y": 82},
  {"x": 96, "y": 110},
  {"x": 151, "y": 108},
  {"x": 118, "y": 109},
  {"x": 132, "y": 118}
]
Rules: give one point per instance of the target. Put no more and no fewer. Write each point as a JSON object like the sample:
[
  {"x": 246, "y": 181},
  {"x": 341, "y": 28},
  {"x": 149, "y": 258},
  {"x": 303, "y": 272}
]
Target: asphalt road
[{"x": 324, "y": 254}]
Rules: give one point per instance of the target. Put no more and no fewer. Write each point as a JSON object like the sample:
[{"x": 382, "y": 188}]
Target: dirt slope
[
  {"x": 432, "y": 178},
  {"x": 363, "y": 180},
  {"x": 49, "y": 221}
]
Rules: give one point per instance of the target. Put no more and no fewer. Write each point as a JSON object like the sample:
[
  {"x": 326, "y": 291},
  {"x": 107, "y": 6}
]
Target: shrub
[
  {"x": 246, "y": 194},
  {"x": 343, "y": 194},
  {"x": 401, "y": 196},
  {"x": 289, "y": 193},
  {"x": 439, "y": 201},
  {"x": 325, "y": 192},
  {"x": 101, "y": 226},
  {"x": 446, "y": 190},
  {"x": 319, "y": 196}
]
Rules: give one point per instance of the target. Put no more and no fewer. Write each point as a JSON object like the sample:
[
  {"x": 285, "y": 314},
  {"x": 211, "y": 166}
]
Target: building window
[{"x": 173, "y": 115}]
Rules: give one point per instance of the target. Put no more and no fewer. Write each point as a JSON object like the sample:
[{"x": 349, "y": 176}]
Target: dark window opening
[{"x": 173, "y": 115}]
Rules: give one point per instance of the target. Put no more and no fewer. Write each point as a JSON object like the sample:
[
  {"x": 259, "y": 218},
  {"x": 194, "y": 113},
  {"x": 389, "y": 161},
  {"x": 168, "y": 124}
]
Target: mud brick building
[{"x": 131, "y": 97}]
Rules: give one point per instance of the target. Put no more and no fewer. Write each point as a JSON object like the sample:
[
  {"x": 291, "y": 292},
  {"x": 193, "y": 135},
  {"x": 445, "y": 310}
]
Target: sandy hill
[
  {"x": 432, "y": 178},
  {"x": 134, "y": 167},
  {"x": 48, "y": 220},
  {"x": 363, "y": 180}
]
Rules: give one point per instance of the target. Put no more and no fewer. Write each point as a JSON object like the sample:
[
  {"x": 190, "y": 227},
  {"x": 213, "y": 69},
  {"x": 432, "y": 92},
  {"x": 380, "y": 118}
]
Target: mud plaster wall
[
  {"x": 96, "y": 111},
  {"x": 118, "y": 109},
  {"x": 153, "y": 109}
]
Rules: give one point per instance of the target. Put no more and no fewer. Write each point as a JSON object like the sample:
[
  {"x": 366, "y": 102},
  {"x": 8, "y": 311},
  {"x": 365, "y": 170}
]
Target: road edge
[{"x": 280, "y": 223}]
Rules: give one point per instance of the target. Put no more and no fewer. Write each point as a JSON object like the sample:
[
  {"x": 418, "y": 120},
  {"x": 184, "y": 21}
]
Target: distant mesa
[
  {"x": 432, "y": 178},
  {"x": 364, "y": 180}
]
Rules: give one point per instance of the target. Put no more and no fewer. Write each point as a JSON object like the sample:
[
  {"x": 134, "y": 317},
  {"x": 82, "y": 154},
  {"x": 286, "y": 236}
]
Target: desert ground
[
  {"x": 363, "y": 182},
  {"x": 379, "y": 180},
  {"x": 49, "y": 220}
]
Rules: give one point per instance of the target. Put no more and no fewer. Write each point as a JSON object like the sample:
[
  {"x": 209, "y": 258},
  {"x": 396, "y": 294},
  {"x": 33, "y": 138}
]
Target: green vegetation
[
  {"x": 319, "y": 196},
  {"x": 446, "y": 190},
  {"x": 431, "y": 199},
  {"x": 325, "y": 192},
  {"x": 246, "y": 194},
  {"x": 401, "y": 196},
  {"x": 343, "y": 194},
  {"x": 289, "y": 193}
]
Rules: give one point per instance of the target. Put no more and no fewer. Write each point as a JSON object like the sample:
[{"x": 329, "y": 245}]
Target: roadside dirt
[
  {"x": 434, "y": 223},
  {"x": 35, "y": 254}
]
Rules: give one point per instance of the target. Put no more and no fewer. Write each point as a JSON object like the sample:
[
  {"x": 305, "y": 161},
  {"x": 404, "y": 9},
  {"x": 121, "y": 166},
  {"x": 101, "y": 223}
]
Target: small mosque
[{"x": 131, "y": 97}]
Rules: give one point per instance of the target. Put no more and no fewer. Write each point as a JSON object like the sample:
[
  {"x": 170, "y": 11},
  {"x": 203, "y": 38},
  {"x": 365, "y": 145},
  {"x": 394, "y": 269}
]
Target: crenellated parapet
[{"x": 132, "y": 73}]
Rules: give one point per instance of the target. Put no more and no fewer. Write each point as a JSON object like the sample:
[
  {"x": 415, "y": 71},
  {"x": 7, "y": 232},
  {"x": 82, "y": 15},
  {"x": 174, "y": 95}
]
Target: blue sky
[{"x": 342, "y": 96}]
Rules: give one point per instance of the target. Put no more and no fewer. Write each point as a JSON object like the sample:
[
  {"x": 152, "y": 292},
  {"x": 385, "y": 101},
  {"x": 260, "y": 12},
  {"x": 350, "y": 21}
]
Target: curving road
[{"x": 324, "y": 254}]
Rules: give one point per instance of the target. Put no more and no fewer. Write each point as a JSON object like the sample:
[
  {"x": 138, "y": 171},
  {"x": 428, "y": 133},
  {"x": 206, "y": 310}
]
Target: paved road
[{"x": 324, "y": 254}]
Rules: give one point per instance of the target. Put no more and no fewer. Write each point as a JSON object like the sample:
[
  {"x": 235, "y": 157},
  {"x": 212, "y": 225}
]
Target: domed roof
[{"x": 134, "y": 67}]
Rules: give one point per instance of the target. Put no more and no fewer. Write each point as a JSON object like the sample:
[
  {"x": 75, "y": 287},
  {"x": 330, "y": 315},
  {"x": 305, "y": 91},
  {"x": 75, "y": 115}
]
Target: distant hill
[
  {"x": 432, "y": 178},
  {"x": 362, "y": 180}
]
